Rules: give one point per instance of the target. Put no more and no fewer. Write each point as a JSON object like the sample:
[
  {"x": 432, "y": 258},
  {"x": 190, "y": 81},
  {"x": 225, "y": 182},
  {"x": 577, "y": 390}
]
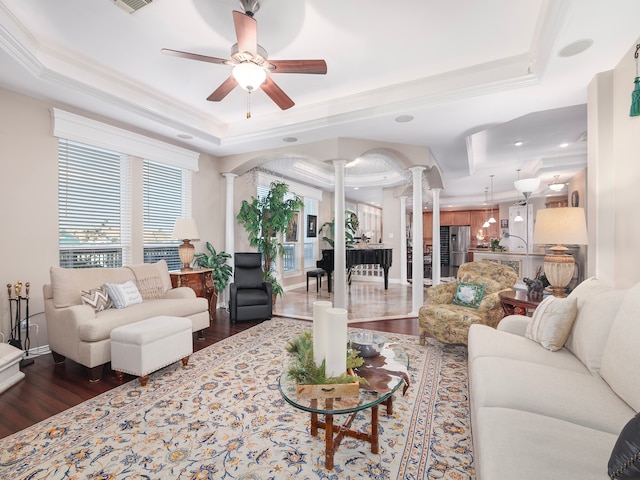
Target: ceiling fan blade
[
  {"x": 299, "y": 66},
  {"x": 195, "y": 56},
  {"x": 276, "y": 94},
  {"x": 246, "y": 32},
  {"x": 223, "y": 90}
]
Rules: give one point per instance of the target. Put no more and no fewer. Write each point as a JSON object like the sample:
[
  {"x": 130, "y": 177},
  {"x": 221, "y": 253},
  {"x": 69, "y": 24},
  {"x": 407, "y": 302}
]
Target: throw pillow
[
  {"x": 98, "y": 298},
  {"x": 469, "y": 294},
  {"x": 552, "y": 322},
  {"x": 624, "y": 463},
  {"x": 124, "y": 294}
]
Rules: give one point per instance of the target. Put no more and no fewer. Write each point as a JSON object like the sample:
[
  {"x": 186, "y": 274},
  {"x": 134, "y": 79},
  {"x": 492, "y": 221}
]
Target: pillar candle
[
  {"x": 320, "y": 329},
  {"x": 336, "y": 357}
]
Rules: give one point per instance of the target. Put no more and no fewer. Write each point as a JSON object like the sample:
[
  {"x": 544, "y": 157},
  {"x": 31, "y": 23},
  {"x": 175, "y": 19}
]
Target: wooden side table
[
  {"x": 517, "y": 302},
  {"x": 200, "y": 281}
]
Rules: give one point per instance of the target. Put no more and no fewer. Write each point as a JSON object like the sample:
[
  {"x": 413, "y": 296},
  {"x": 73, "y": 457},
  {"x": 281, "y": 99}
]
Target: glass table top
[{"x": 366, "y": 398}]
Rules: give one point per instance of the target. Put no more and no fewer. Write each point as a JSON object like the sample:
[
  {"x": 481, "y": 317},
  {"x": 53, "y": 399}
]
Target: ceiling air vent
[{"x": 132, "y": 5}]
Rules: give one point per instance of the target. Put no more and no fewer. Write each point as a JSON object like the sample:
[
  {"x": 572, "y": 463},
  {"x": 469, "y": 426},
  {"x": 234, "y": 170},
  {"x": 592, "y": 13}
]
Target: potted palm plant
[
  {"x": 266, "y": 219},
  {"x": 220, "y": 270}
]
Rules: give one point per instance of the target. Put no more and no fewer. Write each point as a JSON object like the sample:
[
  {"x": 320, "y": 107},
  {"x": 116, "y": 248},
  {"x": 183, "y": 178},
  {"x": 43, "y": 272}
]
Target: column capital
[
  {"x": 417, "y": 169},
  {"x": 229, "y": 175}
]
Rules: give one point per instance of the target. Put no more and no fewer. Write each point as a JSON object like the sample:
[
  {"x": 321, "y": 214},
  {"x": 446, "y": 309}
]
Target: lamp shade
[
  {"x": 527, "y": 185},
  {"x": 565, "y": 225},
  {"x": 249, "y": 75},
  {"x": 185, "y": 228}
]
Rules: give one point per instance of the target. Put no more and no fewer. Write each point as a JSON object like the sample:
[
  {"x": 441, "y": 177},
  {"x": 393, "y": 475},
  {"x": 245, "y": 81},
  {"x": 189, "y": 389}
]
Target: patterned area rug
[{"x": 223, "y": 417}]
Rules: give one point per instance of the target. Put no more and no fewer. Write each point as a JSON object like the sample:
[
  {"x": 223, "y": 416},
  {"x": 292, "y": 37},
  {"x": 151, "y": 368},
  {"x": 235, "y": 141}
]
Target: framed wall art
[{"x": 312, "y": 225}]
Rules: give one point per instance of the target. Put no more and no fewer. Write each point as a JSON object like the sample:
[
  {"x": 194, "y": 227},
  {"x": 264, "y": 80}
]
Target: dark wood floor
[{"x": 49, "y": 389}]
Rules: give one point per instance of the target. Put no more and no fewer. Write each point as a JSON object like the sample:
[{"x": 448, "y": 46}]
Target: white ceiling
[{"x": 475, "y": 76}]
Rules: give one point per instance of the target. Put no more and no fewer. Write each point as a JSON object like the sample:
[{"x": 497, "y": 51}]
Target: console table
[{"x": 200, "y": 281}]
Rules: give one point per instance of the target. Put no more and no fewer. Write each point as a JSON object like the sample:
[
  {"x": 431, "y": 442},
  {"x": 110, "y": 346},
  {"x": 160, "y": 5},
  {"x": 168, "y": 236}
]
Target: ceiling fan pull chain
[{"x": 249, "y": 105}]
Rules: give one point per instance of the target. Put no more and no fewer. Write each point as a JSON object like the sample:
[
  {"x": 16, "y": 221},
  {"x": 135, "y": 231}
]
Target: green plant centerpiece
[
  {"x": 304, "y": 370},
  {"x": 266, "y": 220},
  {"x": 220, "y": 270}
]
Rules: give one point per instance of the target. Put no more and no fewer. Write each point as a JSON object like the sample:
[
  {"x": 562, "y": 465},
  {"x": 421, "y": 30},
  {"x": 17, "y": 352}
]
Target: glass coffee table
[{"x": 367, "y": 398}]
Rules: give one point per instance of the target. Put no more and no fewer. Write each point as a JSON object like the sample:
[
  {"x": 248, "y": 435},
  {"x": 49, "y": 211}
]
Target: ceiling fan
[{"x": 250, "y": 63}]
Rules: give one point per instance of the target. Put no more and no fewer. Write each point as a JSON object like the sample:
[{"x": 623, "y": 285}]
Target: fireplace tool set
[{"x": 15, "y": 314}]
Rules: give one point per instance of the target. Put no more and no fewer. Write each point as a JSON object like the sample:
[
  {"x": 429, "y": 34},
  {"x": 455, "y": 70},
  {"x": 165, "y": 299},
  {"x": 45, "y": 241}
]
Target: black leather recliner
[{"x": 249, "y": 297}]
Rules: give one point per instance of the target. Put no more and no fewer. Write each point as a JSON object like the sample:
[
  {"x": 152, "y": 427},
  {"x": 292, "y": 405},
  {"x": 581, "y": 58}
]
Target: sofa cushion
[
  {"x": 590, "y": 331},
  {"x": 621, "y": 355},
  {"x": 575, "y": 397},
  {"x": 99, "y": 328},
  {"x": 512, "y": 444},
  {"x": 67, "y": 283},
  {"x": 552, "y": 322},
  {"x": 485, "y": 341},
  {"x": 469, "y": 294},
  {"x": 98, "y": 298},
  {"x": 624, "y": 463},
  {"x": 152, "y": 279},
  {"x": 123, "y": 294}
]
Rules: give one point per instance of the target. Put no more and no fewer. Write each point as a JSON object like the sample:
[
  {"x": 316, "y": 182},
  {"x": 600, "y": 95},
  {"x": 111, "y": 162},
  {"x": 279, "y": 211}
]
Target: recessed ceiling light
[
  {"x": 564, "y": 145},
  {"x": 575, "y": 48},
  {"x": 356, "y": 188},
  {"x": 185, "y": 136},
  {"x": 289, "y": 139},
  {"x": 404, "y": 118},
  {"x": 518, "y": 143}
]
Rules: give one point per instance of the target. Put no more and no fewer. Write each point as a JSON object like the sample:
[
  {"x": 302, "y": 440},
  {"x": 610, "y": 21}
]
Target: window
[
  {"x": 166, "y": 195},
  {"x": 310, "y": 243},
  {"x": 92, "y": 206},
  {"x": 95, "y": 205}
]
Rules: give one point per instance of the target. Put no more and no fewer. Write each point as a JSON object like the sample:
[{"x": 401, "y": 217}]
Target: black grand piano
[{"x": 358, "y": 256}]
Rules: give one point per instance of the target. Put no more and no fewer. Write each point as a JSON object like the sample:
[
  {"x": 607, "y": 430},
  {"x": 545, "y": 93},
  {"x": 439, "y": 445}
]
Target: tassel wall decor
[{"x": 635, "y": 95}]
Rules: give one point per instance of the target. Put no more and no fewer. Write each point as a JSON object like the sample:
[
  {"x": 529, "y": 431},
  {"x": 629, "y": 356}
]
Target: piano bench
[{"x": 318, "y": 273}]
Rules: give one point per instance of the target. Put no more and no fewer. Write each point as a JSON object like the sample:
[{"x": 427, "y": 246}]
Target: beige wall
[
  {"x": 29, "y": 199},
  {"x": 28, "y": 203},
  {"x": 613, "y": 173}
]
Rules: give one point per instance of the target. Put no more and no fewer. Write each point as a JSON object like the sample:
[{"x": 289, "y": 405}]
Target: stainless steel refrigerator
[{"x": 459, "y": 241}]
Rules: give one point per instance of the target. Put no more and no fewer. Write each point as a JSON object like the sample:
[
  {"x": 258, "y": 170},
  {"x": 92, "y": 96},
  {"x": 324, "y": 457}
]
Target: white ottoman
[
  {"x": 10, "y": 373},
  {"x": 144, "y": 347}
]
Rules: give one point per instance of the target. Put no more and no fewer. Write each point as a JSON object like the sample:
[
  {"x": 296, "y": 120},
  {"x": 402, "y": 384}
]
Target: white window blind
[
  {"x": 93, "y": 221},
  {"x": 166, "y": 196}
]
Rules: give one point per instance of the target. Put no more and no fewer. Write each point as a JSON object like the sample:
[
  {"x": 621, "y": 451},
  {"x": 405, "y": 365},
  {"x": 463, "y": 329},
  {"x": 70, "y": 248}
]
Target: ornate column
[
  {"x": 403, "y": 240},
  {"x": 229, "y": 226},
  {"x": 339, "y": 255},
  {"x": 417, "y": 264}
]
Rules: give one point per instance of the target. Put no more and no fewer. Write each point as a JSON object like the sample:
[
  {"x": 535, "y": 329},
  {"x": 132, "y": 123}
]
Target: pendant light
[
  {"x": 491, "y": 219},
  {"x": 486, "y": 224},
  {"x": 556, "y": 186}
]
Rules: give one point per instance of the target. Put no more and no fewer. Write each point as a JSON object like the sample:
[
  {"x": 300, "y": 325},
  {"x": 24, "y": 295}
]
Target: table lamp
[
  {"x": 186, "y": 230},
  {"x": 557, "y": 226}
]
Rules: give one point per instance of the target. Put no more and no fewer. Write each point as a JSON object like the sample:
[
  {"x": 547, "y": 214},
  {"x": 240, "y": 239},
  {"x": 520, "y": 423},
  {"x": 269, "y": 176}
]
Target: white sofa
[
  {"x": 540, "y": 414},
  {"x": 78, "y": 332}
]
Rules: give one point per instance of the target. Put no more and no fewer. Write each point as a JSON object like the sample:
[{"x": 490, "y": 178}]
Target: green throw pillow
[{"x": 469, "y": 294}]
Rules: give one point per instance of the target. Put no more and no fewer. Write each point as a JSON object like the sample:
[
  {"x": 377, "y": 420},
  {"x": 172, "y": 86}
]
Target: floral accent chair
[{"x": 450, "y": 323}]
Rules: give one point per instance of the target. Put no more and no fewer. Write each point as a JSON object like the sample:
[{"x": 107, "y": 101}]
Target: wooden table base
[{"x": 333, "y": 442}]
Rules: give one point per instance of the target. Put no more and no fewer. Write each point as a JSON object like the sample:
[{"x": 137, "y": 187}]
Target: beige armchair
[{"x": 450, "y": 323}]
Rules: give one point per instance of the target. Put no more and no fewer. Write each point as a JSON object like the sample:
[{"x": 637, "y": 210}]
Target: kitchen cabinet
[
  {"x": 462, "y": 217},
  {"x": 474, "y": 218},
  {"x": 427, "y": 228}
]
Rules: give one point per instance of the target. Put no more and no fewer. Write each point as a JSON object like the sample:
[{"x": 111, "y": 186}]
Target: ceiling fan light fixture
[{"x": 249, "y": 76}]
